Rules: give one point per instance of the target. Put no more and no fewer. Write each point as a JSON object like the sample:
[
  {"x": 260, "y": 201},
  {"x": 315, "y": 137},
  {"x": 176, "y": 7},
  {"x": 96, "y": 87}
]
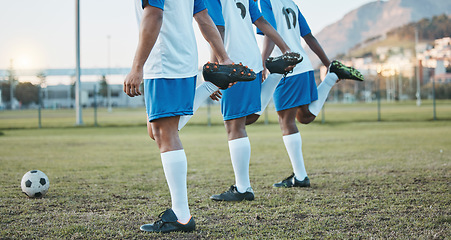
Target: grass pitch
[{"x": 388, "y": 179}]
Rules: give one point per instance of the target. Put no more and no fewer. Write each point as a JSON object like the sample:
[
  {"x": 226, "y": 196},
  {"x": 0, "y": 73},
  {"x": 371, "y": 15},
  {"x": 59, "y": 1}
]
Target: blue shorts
[
  {"x": 295, "y": 91},
  {"x": 242, "y": 99},
  {"x": 169, "y": 97}
]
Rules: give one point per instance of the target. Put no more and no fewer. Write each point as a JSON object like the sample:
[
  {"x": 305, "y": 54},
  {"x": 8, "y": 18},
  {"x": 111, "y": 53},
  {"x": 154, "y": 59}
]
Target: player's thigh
[
  {"x": 236, "y": 128},
  {"x": 287, "y": 121},
  {"x": 241, "y": 100},
  {"x": 303, "y": 115},
  {"x": 169, "y": 97},
  {"x": 149, "y": 129}
]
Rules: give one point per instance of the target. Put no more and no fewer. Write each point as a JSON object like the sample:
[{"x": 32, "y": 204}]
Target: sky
[{"x": 41, "y": 34}]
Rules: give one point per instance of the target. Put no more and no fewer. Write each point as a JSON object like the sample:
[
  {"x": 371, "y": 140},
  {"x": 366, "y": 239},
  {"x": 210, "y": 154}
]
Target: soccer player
[
  {"x": 296, "y": 96},
  {"x": 235, "y": 19},
  {"x": 166, "y": 58}
]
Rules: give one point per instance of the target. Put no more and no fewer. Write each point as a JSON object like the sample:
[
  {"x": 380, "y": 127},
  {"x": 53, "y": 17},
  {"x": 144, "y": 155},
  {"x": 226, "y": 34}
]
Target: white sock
[
  {"x": 268, "y": 88},
  {"x": 175, "y": 170},
  {"x": 293, "y": 144},
  {"x": 203, "y": 92},
  {"x": 240, "y": 153},
  {"x": 323, "y": 91}
]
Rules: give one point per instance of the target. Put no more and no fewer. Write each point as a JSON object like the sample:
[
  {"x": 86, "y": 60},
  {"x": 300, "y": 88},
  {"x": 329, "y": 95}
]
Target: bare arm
[
  {"x": 212, "y": 35},
  {"x": 268, "y": 47},
  {"x": 269, "y": 31},
  {"x": 221, "y": 30},
  {"x": 317, "y": 49},
  {"x": 148, "y": 34}
]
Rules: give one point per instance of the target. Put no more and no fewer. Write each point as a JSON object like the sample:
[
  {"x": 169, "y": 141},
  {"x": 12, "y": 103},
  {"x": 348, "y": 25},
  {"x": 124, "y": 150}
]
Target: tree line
[{"x": 27, "y": 93}]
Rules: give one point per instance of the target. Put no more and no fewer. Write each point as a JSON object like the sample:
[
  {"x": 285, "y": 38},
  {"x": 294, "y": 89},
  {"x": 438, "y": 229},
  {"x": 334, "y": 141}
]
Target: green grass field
[{"x": 370, "y": 179}]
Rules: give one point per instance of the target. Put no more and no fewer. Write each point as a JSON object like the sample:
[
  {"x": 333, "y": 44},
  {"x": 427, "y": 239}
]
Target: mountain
[{"x": 373, "y": 19}]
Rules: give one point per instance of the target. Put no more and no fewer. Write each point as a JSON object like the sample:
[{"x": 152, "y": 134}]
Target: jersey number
[
  {"x": 242, "y": 8},
  {"x": 287, "y": 12}
]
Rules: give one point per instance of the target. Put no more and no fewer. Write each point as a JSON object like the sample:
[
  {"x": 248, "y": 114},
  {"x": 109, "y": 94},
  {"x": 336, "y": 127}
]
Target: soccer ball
[{"x": 35, "y": 184}]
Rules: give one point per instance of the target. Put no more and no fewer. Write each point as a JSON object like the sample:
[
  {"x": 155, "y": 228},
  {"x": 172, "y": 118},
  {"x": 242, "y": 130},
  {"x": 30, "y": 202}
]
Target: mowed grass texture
[{"x": 369, "y": 180}]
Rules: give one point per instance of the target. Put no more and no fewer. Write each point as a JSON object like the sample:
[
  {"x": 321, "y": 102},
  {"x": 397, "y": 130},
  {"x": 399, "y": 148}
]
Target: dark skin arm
[
  {"x": 271, "y": 39},
  {"x": 317, "y": 49},
  {"x": 148, "y": 34},
  {"x": 221, "y": 30},
  {"x": 272, "y": 34},
  {"x": 268, "y": 47},
  {"x": 212, "y": 35}
]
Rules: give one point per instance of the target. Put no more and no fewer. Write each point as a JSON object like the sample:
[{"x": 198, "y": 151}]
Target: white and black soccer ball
[{"x": 35, "y": 184}]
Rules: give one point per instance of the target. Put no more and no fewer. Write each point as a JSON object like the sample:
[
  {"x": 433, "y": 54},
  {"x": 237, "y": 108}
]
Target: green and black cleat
[{"x": 345, "y": 72}]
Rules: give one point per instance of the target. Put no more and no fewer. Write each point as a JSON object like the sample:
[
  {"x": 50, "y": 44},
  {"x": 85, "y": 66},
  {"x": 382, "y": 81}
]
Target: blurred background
[{"x": 403, "y": 47}]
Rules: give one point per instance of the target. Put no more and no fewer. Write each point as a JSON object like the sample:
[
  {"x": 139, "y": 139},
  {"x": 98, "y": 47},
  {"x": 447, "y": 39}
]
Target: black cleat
[
  {"x": 223, "y": 75},
  {"x": 233, "y": 195},
  {"x": 291, "y": 181},
  {"x": 345, "y": 72},
  {"x": 281, "y": 63},
  {"x": 168, "y": 223}
]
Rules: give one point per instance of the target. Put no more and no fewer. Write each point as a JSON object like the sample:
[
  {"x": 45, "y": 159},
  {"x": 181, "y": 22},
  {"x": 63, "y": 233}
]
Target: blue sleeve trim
[
  {"x": 154, "y": 3},
  {"x": 303, "y": 25},
  {"x": 199, "y": 5},
  {"x": 268, "y": 14},
  {"x": 254, "y": 11},
  {"x": 215, "y": 11}
]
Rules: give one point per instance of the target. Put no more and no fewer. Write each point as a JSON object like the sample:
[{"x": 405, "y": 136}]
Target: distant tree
[
  {"x": 42, "y": 78},
  {"x": 27, "y": 93},
  {"x": 103, "y": 91},
  {"x": 72, "y": 87},
  {"x": 6, "y": 91}
]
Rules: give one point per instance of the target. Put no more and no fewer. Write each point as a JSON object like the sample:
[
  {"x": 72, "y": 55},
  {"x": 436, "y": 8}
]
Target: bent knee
[
  {"x": 150, "y": 132},
  {"x": 252, "y": 119},
  {"x": 151, "y": 135},
  {"x": 306, "y": 120}
]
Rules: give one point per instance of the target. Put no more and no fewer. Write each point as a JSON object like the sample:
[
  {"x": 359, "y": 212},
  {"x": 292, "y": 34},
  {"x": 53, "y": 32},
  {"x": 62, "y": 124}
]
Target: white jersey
[
  {"x": 174, "y": 54},
  {"x": 286, "y": 14},
  {"x": 239, "y": 39}
]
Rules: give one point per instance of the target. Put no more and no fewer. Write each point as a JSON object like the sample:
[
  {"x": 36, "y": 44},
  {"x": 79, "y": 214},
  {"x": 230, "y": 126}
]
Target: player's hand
[
  {"x": 265, "y": 73},
  {"x": 289, "y": 68},
  {"x": 227, "y": 62},
  {"x": 216, "y": 96},
  {"x": 283, "y": 64},
  {"x": 132, "y": 82}
]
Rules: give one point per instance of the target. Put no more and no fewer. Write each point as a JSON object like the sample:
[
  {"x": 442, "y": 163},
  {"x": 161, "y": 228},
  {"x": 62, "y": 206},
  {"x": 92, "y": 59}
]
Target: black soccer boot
[
  {"x": 232, "y": 195},
  {"x": 168, "y": 223},
  {"x": 291, "y": 181}
]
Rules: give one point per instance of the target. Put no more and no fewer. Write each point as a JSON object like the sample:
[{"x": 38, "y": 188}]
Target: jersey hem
[{"x": 169, "y": 76}]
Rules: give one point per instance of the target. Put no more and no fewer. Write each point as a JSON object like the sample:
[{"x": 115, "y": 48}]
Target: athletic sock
[
  {"x": 293, "y": 144},
  {"x": 240, "y": 154},
  {"x": 203, "y": 92},
  {"x": 175, "y": 170},
  {"x": 323, "y": 91},
  {"x": 268, "y": 88}
]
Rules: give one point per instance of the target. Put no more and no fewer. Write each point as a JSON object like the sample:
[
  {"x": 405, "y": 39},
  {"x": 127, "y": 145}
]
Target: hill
[
  {"x": 428, "y": 29},
  {"x": 374, "y": 19}
]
